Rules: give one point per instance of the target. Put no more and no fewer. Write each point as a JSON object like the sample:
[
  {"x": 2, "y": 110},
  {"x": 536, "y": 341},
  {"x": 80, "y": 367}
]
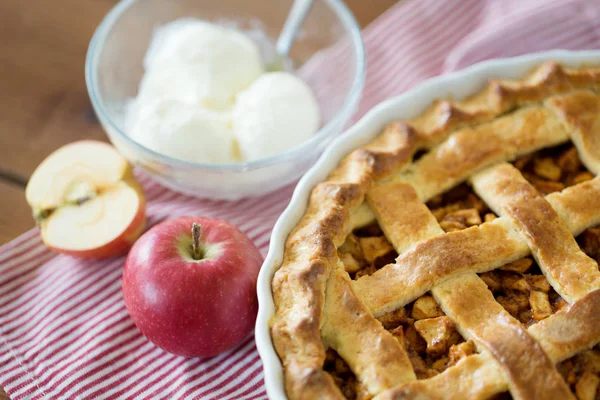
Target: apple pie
[{"x": 456, "y": 255}]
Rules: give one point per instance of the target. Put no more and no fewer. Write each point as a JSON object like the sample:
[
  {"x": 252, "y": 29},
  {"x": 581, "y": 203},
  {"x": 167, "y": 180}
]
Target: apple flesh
[
  {"x": 86, "y": 201},
  {"x": 194, "y": 297}
]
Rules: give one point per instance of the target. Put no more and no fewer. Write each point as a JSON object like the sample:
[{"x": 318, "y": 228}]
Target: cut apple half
[{"x": 86, "y": 200}]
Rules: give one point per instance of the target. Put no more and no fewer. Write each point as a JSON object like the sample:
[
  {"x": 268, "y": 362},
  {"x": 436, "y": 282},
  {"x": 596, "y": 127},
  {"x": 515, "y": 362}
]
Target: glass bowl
[{"x": 328, "y": 54}]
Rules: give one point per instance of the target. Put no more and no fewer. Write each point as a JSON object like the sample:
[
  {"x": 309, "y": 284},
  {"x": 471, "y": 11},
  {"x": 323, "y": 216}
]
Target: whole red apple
[{"x": 190, "y": 286}]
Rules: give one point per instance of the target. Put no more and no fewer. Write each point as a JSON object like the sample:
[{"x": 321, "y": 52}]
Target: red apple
[
  {"x": 190, "y": 286},
  {"x": 86, "y": 200}
]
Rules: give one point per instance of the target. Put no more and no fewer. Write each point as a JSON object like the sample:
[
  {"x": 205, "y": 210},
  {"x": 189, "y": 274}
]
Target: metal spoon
[{"x": 293, "y": 22}]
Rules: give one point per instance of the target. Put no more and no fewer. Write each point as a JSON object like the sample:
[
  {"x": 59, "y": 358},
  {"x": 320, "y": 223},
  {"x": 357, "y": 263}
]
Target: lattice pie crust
[{"x": 319, "y": 306}]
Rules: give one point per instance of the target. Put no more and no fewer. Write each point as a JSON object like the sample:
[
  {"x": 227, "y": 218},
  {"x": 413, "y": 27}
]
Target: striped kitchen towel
[{"x": 64, "y": 330}]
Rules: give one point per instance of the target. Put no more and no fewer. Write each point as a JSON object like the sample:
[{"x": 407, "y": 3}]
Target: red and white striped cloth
[{"x": 64, "y": 330}]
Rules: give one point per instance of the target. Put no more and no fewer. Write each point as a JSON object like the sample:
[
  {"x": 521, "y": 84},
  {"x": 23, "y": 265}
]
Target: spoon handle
[{"x": 300, "y": 9}]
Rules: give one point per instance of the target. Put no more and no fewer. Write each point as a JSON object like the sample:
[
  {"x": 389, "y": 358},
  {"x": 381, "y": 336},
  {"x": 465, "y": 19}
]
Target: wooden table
[{"x": 43, "y": 98}]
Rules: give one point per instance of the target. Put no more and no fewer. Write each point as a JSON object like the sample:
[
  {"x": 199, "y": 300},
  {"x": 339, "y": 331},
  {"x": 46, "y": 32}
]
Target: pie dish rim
[{"x": 409, "y": 104}]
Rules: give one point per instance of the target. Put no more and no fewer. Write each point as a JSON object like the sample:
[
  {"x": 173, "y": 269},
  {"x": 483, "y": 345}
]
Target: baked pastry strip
[
  {"x": 407, "y": 219},
  {"x": 430, "y": 262},
  {"x": 477, "y": 249},
  {"x": 374, "y": 355},
  {"x": 471, "y": 149},
  {"x": 577, "y": 206},
  {"x": 571, "y": 330},
  {"x": 579, "y": 113},
  {"x": 478, "y": 376},
  {"x": 499, "y": 97},
  {"x": 299, "y": 333},
  {"x": 567, "y": 268},
  {"x": 568, "y": 332},
  {"x": 529, "y": 372}
]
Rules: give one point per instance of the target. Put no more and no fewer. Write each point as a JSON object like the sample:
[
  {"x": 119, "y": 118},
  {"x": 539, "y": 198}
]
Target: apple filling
[
  {"x": 520, "y": 287},
  {"x": 553, "y": 169},
  {"x": 523, "y": 291},
  {"x": 343, "y": 376},
  {"x": 365, "y": 251},
  {"x": 459, "y": 208},
  {"x": 429, "y": 336},
  {"x": 582, "y": 373}
]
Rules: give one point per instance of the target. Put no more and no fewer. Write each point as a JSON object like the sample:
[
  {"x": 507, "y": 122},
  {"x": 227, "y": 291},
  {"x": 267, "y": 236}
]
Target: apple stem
[{"x": 197, "y": 250}]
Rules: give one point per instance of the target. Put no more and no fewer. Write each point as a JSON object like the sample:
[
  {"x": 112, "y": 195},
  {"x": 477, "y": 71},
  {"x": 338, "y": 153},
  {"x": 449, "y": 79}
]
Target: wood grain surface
[{"x": 43, "y": 98}]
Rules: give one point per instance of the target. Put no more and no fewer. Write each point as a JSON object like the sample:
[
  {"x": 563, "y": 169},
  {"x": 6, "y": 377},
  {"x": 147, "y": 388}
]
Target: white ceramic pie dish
[{"x": 457, "y": 85}]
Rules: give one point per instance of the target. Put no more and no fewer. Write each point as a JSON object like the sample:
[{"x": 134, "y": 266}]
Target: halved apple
[{"x": 87, "y": 201}]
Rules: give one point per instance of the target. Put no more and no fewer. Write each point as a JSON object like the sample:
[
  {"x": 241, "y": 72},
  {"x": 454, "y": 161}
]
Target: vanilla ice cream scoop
[
  {"x": 197, "y": 62},
  {"x": 182, "y": 131},
  {"x": 277, "y": 112},
  {"x": 204, "y": 97}
]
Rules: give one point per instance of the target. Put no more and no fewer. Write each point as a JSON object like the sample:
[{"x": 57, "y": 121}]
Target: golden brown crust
[
  {"x": 498, "y": 97},
  {"x": 389, "y": 151},
  {"x": 399, "y": 210},
  {"x": 465, "y": 153},
  {"x": 444, "y": 116},
  {"x": 547, "y": 80},
  {"x": 310, "y": 383},
  {"x": 570, "y": 272},
  {"x": 376, "y": 357},
  {"x": 299, "y": 284},
  {"x": 300, "y": 334},
  {"x": 578, "y": 205},
  {"x": 584, "y": 78},
  {"x": 568, "y": 332},
  {"x": 529, "y": 372},
  {"x": 305, "y": 280},
  {"x": 478, "y": 249},
  {"x": 579, "y": 112},
  {"x": 474, "y": 377},
  {"x": 571, "y": 330}
]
